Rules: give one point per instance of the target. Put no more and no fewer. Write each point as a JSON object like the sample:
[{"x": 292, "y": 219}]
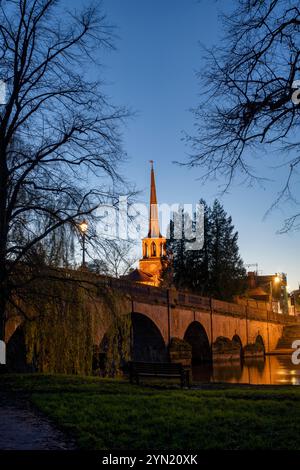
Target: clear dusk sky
[{"x": 153, "y": 73}]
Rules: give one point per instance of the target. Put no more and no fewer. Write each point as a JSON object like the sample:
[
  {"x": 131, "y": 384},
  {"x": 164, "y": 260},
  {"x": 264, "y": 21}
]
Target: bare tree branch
[
  {"x": 59, "y": 135},
  {"x": 246, "y": 107}
]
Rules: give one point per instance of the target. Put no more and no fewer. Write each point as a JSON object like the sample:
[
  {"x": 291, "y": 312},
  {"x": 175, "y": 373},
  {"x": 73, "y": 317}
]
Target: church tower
[{"x": 154, "y": 245}]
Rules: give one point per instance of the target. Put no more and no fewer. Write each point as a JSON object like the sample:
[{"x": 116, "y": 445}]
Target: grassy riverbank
[{"x": 112, "y": 414}]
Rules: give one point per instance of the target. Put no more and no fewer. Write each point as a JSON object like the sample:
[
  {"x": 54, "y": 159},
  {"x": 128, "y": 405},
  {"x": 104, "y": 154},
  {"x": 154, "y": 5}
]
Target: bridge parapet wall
[
  {"x": 173, "y": 310},
  {"x": 175, "y": 297}
]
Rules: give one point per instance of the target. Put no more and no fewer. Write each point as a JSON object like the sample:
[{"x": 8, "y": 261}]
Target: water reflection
[{"x": 271, "y": 370}]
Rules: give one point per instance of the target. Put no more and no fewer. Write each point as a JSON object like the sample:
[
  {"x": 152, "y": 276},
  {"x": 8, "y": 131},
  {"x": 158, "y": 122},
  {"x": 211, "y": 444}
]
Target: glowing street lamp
[
  {"x": 83, "y": 227},
  {"x": 275, "y": 280}
]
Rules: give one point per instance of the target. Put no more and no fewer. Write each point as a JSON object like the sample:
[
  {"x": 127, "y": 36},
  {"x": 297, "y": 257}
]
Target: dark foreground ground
[
  {"x": 112, "y": 414},
  {"x": 22, "y": 428}
]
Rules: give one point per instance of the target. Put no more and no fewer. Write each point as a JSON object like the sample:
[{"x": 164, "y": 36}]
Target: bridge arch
[
  {"x": 197, "y": 337},
  {"x": 16, "y": 352},
  {"x": 236, "y": 340},
  {"x": 147, "y": 342},
  {"x": 260, "y": 342}
]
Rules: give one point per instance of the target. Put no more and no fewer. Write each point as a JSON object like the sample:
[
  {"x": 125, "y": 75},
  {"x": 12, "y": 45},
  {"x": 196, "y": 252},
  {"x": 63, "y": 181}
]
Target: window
[
  {"x": 145, "y": 250},
  {"x": 161, "y": 249},
  {"x": 153, "y": 249}
]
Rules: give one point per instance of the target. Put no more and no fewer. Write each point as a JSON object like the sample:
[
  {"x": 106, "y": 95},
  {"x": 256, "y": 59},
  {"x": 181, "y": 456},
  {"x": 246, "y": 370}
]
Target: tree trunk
[
  {"x": 3, "y": 239},
  {"x": 2, "y": 315}
]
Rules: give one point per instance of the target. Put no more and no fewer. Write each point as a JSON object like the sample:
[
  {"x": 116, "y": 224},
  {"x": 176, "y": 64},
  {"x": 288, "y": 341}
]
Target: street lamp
[
  {"x": 83, "y": 227},
  {"x": 276, "y": 280}
]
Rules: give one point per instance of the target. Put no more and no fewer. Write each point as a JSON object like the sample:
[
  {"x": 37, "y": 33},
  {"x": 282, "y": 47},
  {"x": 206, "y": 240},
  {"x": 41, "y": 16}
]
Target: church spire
[{"x": 153, "y": 219}]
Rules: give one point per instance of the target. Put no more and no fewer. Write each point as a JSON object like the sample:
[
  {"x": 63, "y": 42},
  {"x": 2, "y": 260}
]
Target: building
[
  {"x": 153, "y": 246},
  {"x": 294, "y": 302},
  {"x": 270, "y": 289}
]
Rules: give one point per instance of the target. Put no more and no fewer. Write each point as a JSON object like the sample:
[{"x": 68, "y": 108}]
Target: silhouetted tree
[
  {"x": 116, "y": 257},
  {"x": 248, "y": 84},
  {"x": 198, "y": 268},
  {"x": 216, "y": 269},
  {"x": 176, "y": 251},
  {"x": 58, "y": 131},
  {"x": 226, "y": 270}
]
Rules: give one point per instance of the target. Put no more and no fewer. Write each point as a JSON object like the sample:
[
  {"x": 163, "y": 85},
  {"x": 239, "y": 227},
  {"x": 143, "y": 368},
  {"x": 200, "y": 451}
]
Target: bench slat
[
  {"x": 159, "y": 374},
  {"x": 158, "y": 369}
]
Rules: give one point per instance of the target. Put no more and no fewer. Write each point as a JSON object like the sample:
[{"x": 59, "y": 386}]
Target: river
[{"x": 271, "y": 370}]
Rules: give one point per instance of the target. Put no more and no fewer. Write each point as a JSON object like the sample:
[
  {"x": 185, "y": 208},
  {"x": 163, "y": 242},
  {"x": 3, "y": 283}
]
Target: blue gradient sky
[{"x": 153, "y": 72}]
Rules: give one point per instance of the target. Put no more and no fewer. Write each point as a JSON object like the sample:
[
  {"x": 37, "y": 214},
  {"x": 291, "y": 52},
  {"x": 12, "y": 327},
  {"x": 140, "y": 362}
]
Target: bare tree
[
  {"x": 116, "y": 257},
  {"x": 247, "y": 103},
  {"x": 58, "y": 132}
]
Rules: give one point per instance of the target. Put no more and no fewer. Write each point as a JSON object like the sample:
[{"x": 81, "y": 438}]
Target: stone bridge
[{"x": 158, "y": 315}]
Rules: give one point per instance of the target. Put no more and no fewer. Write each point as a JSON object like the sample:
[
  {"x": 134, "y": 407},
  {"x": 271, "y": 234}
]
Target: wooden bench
[{"x": 159, "y": 369}]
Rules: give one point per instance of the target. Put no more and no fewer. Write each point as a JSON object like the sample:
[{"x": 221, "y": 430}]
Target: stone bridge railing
[
  {"x": 173, "y": 297},
  {"x": 151, "y": 294}
]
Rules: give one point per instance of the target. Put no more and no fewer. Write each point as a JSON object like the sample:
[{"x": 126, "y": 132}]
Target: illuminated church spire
[
  {"x": 154, "y": 246},
  {"x": 154, "y": 231}
]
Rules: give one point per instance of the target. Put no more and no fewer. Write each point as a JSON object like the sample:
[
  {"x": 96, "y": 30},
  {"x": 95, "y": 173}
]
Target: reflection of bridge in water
[{"x": 270, "y": 370}]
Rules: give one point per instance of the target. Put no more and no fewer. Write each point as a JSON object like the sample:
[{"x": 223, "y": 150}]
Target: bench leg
[
  {"x": 188, "y": 378},
  {"x": 182, "y": 379},
  {"x": 130, "y": 373},
  {"x": 185, "y": 379}
]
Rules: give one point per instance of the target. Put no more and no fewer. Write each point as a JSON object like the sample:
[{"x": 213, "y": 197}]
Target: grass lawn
[{"x": 112, "y": 414}]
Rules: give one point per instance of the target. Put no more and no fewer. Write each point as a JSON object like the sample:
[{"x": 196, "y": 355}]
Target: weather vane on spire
[{"x": 151, "y": 161}]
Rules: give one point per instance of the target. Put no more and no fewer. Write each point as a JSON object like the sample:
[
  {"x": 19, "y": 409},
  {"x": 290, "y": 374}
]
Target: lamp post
[
  {"x": 83, "y": 227},
  {"x": 276, "y": 280}
]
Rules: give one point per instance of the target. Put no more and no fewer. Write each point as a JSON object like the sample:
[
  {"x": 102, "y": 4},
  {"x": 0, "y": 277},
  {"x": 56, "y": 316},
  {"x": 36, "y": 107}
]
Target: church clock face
[{"x": 153, "y": 267}]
